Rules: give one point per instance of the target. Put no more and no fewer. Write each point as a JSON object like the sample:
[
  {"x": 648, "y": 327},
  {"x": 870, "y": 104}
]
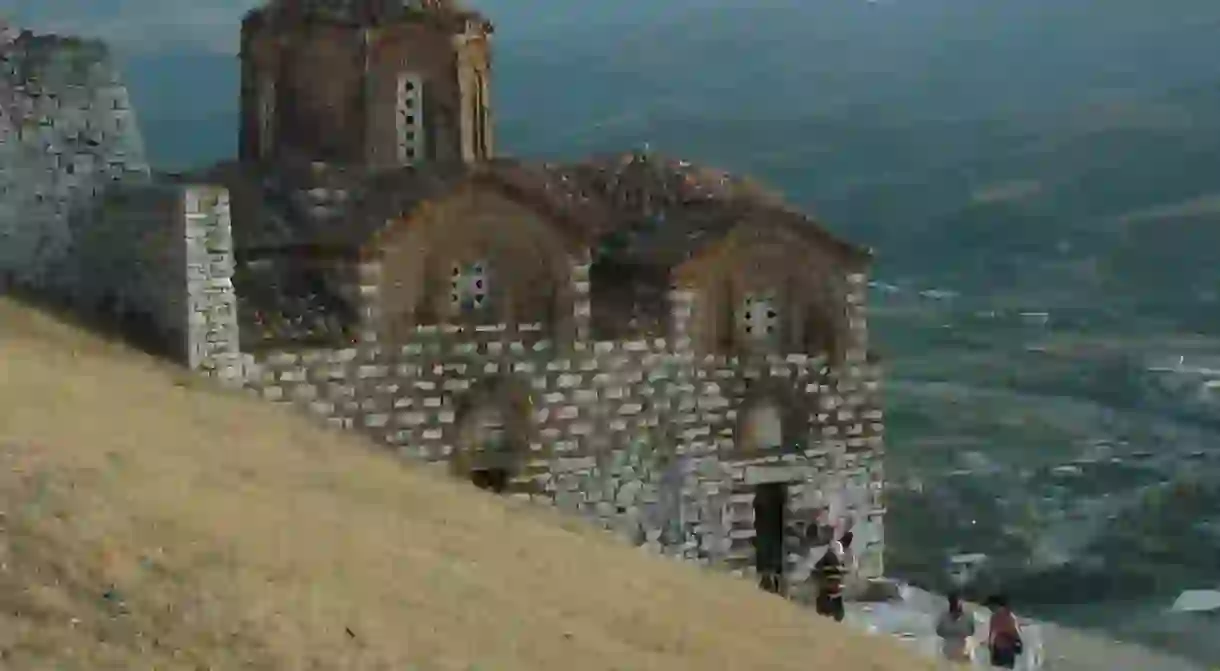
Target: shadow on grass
[{"x": 131, "y": 327}]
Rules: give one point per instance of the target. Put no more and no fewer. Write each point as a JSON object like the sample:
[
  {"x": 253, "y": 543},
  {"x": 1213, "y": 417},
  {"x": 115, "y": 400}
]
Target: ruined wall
[
  {"x": 638, "y": 435},
  {"x": 66, "y": 131},
  {"x": 162, "y": 254},
  {"x": 213, "y": 336}
]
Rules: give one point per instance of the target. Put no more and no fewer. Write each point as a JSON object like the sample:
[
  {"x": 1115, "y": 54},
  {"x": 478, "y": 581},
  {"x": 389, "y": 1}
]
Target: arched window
[
  {"x": 408, "y": 117},
  {"x": 266, "y": 116},
  {"x": 479, "y": 119}
]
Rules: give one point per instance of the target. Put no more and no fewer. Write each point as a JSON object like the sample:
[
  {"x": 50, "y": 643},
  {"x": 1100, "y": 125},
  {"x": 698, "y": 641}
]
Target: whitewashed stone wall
[
  {"x": 67, "y": 131},
  {"x": 212, "y": 332}
]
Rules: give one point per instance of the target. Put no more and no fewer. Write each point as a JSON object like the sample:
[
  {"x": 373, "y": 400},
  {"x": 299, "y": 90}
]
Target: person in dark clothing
[
  {"x": 772, "y": 582},
  {"x": 1004, "y": 634},
  {"x": 829, "y": 572}
]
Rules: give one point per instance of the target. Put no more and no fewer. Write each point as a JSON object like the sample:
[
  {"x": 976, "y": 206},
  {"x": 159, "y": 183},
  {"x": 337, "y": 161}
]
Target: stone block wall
[
  {"x": 841, "y": 470},
  {"x": 161, "y": 253},
  {"x": 637, "y": 435},
  {"x": 67, "y": 130},
  {"x": 212, "y": 334},
  {"x": 854, "y": 410}
]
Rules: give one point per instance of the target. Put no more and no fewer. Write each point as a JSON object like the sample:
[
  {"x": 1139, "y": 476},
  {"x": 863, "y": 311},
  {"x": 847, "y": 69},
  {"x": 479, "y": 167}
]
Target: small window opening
[{"x": 469, "y": 287}]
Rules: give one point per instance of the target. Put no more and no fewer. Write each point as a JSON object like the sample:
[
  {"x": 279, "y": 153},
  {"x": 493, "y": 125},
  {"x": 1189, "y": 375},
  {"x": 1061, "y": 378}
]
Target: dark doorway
[
  {"x": 490, "y": 479},
  {"x": 770, "y": 501},
  {"x": 489, "y": 455}
]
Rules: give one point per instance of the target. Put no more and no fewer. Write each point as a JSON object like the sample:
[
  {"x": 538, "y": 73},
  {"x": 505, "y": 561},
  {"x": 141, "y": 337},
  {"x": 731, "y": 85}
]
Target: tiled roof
[
  {"x": 646, "y": 210},
  {"x": 322, "y": 206},
  {"x": 667, "y": 209},
  {"x": 330, "y": 207}
]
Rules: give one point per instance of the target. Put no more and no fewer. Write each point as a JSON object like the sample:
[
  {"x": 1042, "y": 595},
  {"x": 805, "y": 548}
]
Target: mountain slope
[{"x": 148, "y": 520}]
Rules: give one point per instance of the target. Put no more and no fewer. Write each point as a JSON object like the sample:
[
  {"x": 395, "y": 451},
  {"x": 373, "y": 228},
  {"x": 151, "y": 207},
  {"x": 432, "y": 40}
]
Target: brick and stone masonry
[{"x": 643, "y": 436}]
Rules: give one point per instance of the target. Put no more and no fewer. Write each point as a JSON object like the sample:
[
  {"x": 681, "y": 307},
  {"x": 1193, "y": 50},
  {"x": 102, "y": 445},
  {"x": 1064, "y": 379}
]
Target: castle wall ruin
[
  {"x": 159, "y": 257},
  {"x": 67, "y": 131}
]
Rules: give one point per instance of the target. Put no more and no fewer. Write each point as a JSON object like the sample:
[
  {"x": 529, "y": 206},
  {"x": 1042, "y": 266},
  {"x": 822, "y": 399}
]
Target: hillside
[{"x": 151, "y": 521}]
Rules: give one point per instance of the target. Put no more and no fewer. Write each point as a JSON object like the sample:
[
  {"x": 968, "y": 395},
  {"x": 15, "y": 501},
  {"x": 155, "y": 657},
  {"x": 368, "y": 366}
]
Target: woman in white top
[{"x": 955, "y": 627}]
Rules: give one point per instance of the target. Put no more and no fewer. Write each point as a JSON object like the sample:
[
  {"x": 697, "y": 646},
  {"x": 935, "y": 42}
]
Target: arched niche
[
  {"x": 772, "y": 418},
  {"x": 762, "y": 427},
  {"x": 491, "y": 434}
]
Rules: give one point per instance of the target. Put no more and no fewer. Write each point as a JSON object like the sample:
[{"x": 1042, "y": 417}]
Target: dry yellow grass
[{"x": 150, "y": 522}]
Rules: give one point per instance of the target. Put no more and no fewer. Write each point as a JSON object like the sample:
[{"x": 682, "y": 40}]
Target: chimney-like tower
[{"x": 374, "y": 83}]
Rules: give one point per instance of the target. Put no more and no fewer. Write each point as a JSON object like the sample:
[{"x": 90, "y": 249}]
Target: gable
[
  {"x": 764, "y": 247},
  {"x": 665, "y": 212},
  {"x": 475, "y": 213}
]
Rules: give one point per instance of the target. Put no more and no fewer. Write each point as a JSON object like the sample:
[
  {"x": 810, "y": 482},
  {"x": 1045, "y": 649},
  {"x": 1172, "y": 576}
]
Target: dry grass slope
[{"x": 149, "y": 521}]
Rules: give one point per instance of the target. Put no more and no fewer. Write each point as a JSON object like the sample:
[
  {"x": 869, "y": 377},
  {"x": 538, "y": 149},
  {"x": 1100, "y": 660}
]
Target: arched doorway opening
[
  {"x": 491, "y": 458},
  {"x": 492, "y": 436}
]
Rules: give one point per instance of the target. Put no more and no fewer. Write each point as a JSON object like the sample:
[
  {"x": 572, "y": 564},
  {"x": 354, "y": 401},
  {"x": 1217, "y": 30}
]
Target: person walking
[
  {"x": 771, "y": 581},
  {"x": 955, "y": 627},
  {"x": 851, "y": 582},
  {"x": 1004, "y": 634},
  {"x": 829, "y": 572}
]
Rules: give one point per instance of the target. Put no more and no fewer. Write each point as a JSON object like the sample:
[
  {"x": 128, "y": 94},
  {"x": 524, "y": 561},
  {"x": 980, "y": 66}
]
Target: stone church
[{"x": 666, "y": 348}]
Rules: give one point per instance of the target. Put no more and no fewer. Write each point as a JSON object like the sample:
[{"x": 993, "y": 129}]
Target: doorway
[
  {"x": 770, "y": 503},
  {"x": 488, "y": 453}
]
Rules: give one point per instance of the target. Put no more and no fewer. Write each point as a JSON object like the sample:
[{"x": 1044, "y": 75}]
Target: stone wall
[
  {"x": 639, "y": 435},
  {"x": 212, "y": 333},
  {"x": 160, "y": 256},
  {"x": 66, "y": 131}
]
